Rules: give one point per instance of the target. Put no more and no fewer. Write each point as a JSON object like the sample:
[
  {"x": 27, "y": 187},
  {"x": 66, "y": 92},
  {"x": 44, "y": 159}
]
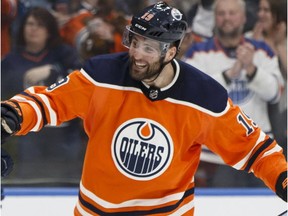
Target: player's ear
[{"x": 171, "y": 53}]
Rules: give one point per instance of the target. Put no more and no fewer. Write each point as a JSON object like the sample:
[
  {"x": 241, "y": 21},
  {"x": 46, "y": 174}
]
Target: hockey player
[{"x": 146, "y": 115}]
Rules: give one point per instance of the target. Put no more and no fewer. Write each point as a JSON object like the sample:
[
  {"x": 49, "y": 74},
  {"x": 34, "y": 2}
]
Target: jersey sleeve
[
  {"x": 53, "y": 105},
  {"x": 243, "y": 145}
]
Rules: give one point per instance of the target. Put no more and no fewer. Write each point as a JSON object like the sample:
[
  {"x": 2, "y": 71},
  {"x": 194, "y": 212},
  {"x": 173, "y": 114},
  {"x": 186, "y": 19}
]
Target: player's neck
[{"x": 165, "y": 77}]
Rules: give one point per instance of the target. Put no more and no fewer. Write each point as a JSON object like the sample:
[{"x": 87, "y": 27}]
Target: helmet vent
[{"x": 155, "y": 33}]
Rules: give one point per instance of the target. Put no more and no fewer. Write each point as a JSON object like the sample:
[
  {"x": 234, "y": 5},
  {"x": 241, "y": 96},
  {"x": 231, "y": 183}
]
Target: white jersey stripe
[
  {"x": 171, "y": 100},
  {"x": 81, "y": 210},
  {"x": 277, "y": 148},
  {"x": 130, "y": 203},
  {"x": 108, "y": 85},
  {"x": 36, "y": 109},
  {"x": 184, "y": 209},
  {"x": 241, "y": 163},
  {"x": 53, "y": 116}
]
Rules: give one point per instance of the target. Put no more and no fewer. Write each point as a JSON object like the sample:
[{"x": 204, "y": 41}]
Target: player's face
[
  {"x": 145, "y": 58},
  {"x": 229, "y": 18}
]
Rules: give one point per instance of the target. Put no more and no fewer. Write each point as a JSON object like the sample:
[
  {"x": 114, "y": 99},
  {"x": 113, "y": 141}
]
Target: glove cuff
[
  {"x": 281, "y": 186},
  {"x": 16, "y": 112}
]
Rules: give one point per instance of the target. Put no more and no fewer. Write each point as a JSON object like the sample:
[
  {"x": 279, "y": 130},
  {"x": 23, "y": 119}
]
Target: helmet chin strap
[{"x": 163, "y": 64}]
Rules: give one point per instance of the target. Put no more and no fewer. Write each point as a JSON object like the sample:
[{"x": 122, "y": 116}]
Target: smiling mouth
[{"x": 139, "y": 65}]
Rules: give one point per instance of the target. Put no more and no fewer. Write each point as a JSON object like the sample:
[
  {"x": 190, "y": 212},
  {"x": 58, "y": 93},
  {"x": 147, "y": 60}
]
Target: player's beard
[{"x": 148, "y": 73}]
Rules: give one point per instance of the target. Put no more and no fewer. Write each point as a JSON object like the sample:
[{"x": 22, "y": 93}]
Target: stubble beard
[{"x": 152, "y": 71}]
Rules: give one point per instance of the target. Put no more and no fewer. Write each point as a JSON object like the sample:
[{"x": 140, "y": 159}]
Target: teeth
[{"x": 139, "y": 64}]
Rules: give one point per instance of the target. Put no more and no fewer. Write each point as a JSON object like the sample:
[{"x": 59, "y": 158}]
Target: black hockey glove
[
  {"x": 6, "y": 163},
  {"x": 11, "y": 119},
  {"x": 281, "y": 186}
]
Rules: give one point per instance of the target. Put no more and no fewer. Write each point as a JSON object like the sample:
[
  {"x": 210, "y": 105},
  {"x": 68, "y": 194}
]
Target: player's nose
[{"x": 136, "y": 53}]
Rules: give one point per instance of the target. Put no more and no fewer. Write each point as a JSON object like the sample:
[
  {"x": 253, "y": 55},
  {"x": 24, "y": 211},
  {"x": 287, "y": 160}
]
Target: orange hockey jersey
[{"x": 144, "y": 143}]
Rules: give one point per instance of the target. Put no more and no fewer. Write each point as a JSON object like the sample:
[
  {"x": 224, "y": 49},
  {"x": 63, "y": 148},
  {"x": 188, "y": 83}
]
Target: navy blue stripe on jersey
[
  {"x": 192, "y": 85},
  {"x": 165, "y": 209},
  {"x": 199, "y": 88},
  {"x": 257, "y": 153},
  {"x": 110, "y": 69},
  {"x": 40, "y": 105}
]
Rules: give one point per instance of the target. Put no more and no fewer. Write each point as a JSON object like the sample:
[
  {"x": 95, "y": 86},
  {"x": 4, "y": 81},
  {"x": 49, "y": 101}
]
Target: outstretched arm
[{"x": 272, "y": 170}]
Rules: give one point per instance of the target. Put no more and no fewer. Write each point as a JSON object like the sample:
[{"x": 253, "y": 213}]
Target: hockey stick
[{"x": 283, "y": 213}]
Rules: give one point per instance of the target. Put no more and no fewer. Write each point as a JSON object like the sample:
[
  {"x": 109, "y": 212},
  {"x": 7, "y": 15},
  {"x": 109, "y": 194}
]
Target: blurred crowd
[{"x": 44, "y": 40}]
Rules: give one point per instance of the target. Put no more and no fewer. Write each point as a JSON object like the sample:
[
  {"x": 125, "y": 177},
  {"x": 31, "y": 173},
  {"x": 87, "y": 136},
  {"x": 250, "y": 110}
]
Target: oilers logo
[{"x": 142, "y": 149}]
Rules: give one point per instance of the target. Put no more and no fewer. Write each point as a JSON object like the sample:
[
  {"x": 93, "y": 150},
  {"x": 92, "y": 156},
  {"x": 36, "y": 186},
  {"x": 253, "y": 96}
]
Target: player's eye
[
  {"x": 134, "y": 43},
  {"x": 149, "y": 49}
]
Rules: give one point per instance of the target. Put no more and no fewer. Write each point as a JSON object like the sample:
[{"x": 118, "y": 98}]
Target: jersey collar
[{"x": 154, "y": 93}]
